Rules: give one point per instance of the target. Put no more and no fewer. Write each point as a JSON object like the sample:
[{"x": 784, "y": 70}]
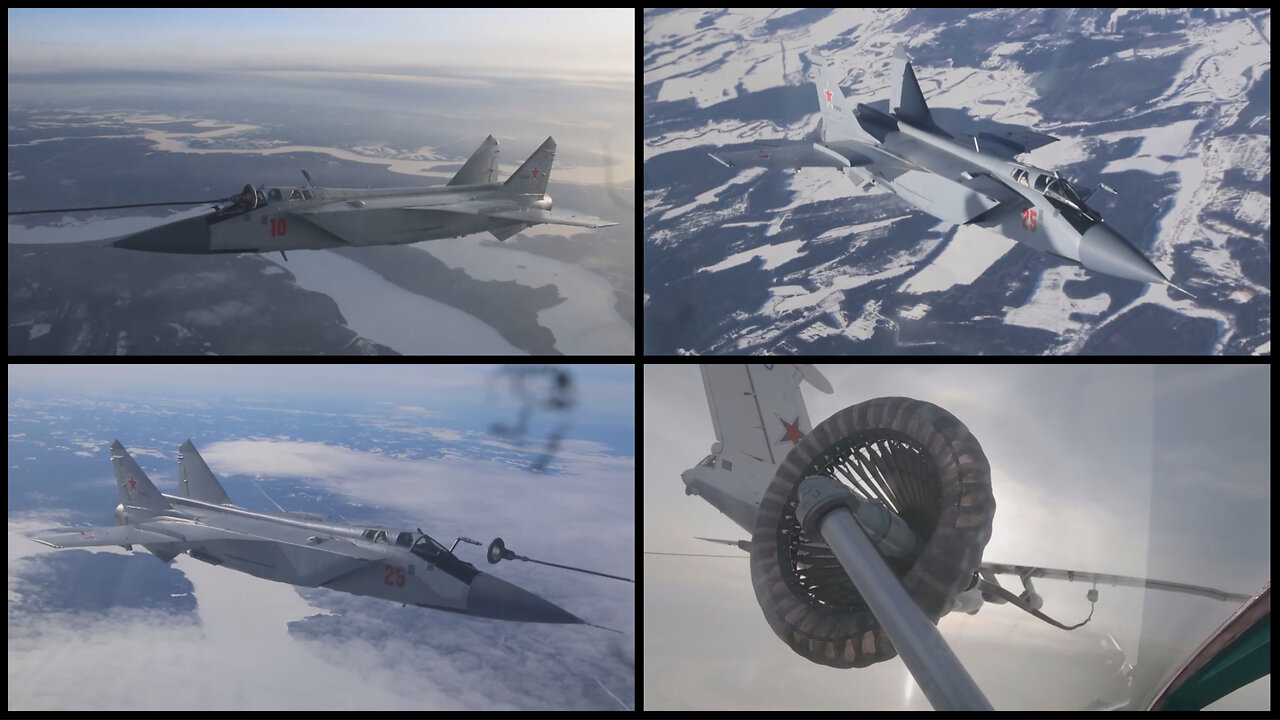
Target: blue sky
[
  {"x": 590, "y": 42},
  {"x": 605, "y": 393}
]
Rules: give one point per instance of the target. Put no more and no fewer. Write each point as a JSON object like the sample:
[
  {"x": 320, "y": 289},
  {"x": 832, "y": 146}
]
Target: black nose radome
[
  {"x": 493, "y": 598},
  {"x": 184, "y": 236}
]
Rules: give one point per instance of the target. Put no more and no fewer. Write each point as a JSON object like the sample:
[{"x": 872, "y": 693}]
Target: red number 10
[{"x": 277, "y": 227}]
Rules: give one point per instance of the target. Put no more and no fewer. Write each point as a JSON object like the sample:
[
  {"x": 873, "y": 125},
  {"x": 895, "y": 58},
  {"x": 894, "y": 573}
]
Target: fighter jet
[
  {"x": 298, "y": 548},
  {"x": 973, "y": 182},
  {"x": 267, "y": 219}
]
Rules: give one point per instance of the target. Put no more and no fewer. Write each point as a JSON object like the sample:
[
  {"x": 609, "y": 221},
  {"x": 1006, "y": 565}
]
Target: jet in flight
[
  {"x": 298, "y": 548},
  {"x": 972, "y": 181},
  {"x": 312, "y": 218}
]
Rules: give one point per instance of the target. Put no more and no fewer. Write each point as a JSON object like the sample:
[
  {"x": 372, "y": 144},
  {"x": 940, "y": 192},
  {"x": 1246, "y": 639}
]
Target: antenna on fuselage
[{"x": 307, "y": 175}]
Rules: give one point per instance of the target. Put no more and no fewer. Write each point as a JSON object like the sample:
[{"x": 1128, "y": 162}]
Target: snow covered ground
[
  {"x": 585, "y": 323},
  {"x": 1197, "y": 124},
  {"x": 385, "y": 313}
]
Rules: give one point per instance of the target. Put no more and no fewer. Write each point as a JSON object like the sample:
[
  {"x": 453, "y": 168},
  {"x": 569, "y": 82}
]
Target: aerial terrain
[
  {"x": 400, "y": 448},
  {"x": 1172, "y": 109},
  {"x": 101, "y": 124}
]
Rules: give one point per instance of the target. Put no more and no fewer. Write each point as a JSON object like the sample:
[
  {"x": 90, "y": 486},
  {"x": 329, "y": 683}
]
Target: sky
[
  {"x": 589, "y": 42},
  {"x": 1158, "y": 472},
  {"x": 265, "y": 645},
  {"x": 610, "y": 387}
]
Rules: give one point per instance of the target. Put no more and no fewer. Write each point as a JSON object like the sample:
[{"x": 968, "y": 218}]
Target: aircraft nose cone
[
  {"x": 1103, "y": 250},
  {"x": 184, "y": 236},
  {"x": 493, "y": 598}
]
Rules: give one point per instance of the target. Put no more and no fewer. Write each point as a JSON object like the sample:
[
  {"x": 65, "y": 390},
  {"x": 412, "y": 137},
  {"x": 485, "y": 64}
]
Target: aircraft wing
[
  {"x": 315, "y": 560},
  {"x": 787, "y": 154},
  {"x": 957, "y": 202},
  {"x": 1105, "y": 579},
  {"x": 92, "y": 536},
  {"x": 146, "y": 534},
  {"x": 1008, "y": 143},
  {"x": 488, "y": 208},
  {"x": 534, "y": 215}
]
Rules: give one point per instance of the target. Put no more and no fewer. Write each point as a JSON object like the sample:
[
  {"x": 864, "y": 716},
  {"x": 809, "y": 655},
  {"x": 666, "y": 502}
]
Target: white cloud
[{"x": 235, "y": 655}]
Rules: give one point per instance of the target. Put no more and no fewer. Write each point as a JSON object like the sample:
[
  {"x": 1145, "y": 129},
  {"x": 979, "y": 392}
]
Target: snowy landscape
[{"x": 1172, "y": 109}]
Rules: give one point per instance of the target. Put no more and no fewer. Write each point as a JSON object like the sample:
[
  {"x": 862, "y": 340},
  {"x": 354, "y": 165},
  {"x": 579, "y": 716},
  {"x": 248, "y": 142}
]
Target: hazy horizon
[{"x": 592, "y": 42}]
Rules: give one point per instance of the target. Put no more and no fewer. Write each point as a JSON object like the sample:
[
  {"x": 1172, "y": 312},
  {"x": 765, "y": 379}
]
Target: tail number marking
[
  {"x": 1028, "y": 220},
  {"x": 277, "y": 227}
]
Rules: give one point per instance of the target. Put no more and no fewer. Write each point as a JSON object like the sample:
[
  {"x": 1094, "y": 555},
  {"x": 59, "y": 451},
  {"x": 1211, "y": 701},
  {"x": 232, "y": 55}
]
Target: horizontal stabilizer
[{"x": 793, "y": 155}]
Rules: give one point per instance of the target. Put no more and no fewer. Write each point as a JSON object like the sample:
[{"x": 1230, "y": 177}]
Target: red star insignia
[
  {"x": 133, "y": 484},
  {"x": 535, "y": 172},
  {"x": 828, "y": 91},
  {"x": 793, "y": 431}
]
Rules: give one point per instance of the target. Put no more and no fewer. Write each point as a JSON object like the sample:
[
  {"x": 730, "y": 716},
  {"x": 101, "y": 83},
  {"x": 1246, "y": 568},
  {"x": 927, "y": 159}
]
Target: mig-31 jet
[
  {"x": 267, "y": 219},
  {"x": 974, "y": 181},
  {"x": 298, "y": 548}
]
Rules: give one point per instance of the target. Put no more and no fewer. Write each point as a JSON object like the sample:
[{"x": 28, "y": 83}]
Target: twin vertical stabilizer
[
  {"x": 906, "y": 101},
  {"x": 195, "y": 478}
]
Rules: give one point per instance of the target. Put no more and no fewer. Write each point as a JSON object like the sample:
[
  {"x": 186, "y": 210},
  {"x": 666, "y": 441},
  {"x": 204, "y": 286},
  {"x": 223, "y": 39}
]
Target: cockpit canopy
[
  {"x": 1060, "y": 189},
  {"x": 378, "y": 535},
  {"x": 283, "y": 194},
  {"x": 1056, "y": 188},
  {"x": 424, "y": 546},
  {"x": 1061, "y": 193}
]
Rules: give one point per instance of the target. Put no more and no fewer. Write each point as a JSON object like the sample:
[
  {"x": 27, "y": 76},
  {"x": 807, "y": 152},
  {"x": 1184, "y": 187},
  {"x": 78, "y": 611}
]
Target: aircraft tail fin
[
  {"x": 136, "y": 489},
  {"x": 195, "y": 478},
  {"x": 531, "y": 177},
  {"x": 837, "y": 121},
  {"x": 906, "y": 101},
  {"x": 759, "y": 415},
  {"x": 482, "y": 167}
]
